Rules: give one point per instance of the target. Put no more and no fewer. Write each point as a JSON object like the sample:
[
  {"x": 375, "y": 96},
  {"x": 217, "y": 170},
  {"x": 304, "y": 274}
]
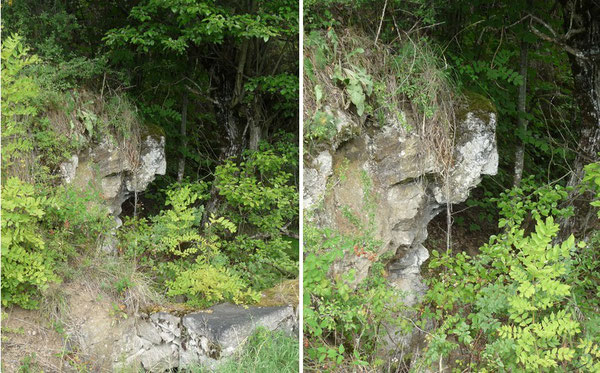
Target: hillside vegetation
[
  {"x": 512, "y": 281},
  {"x": 218, "y": 80}
]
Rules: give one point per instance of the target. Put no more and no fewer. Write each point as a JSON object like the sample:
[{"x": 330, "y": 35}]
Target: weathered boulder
[
  {"x": 396, "y": 176},
  {"x": 164, "y": 341}
]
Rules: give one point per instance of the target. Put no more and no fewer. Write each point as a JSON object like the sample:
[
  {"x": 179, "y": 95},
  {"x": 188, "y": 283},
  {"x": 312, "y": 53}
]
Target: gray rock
[
  {"x": 220, "y": 331},
  {"x": 476, "y": 154},
  {"x": 160, "y": 358},
  {"x": 149, "y": 332},
  {"x": 168, "y": 326},
  {"x": 152, "y": 162},
  {"x": 316, "y": 176},
  {"x": 67, "y": 169},
  {"x": 165, "y": 341},
  {"x": 116, "y": 171}
]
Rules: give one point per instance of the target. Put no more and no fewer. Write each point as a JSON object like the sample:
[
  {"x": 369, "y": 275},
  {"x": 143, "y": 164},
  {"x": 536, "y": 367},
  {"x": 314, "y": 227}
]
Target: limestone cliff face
[
  {"x": 408, "y": 185},
  {"x": 117, "y": 170}
]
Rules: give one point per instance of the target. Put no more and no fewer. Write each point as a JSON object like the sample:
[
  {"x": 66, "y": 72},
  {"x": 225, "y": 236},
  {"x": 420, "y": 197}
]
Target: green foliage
[
  {"x": 29, "y": 364},
  {"x": 42, "y": 230},
  {"x": 362, "y": 13},
  {"x": 261, "y": 199},
  {"x": 517, "y": 297},
  {"x": 27, "y": 266},
  {"x": 173, "y": 232},
  {"x": 343, "y": 320},
  {"x": 382, "y": 83},
  {"x": 19, "y": 91},
  {"x": 591, "y": 182},
  {"x": 78, "y": 218},
  {"x": 264, "y": 351},
  {"x": 358, "y": 85},
  {"x": 285, "y": 85},
  {"x": 346, "y": 320},
  {"x": 259, "y": 190},
  {"x": 42, "y": 125},
  {"x": 193, "y": 23},
  {"x": 320, "y": 128},
  {"x": 232, "y": 257},
  {"x": 204, "y": 285},
  {"x": 423, "y": 78},
  {"x": 483, "y": 47},
  {"x": 173, "y": 237}
]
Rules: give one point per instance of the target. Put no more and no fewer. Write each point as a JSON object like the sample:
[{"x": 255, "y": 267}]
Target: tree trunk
[
  {"x": 521, "y": 121},
  {"x": 183, "y": 134},
  {"x": 255, "y": 134},
  {"x": 584, "y": 15},
  {"x": 255, "y": 122}
]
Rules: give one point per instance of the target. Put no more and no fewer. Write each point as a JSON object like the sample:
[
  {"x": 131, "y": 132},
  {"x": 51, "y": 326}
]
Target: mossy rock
[
  {"x": 176, "y": 309},
  {"x": 283, "y": 294},
  {"x": 152, "y": 130},
  {"x": 477, "y": 104}
]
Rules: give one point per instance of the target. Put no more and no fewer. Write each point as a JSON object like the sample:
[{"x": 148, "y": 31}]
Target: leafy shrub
[
  {"x": 172, "y": 235},
  {"x": 205, "y": 284},
  {"x": 591, "y": 182},
  {"x": 511, "y": 308},
  {"x": 261, "y": 199},
  {"x": 27, "y": 267},
  {"x": 284, "y": 85},
  {"x": 78, "y": 218},
  {"x": 344, "y": 321},
  {"x": 186, "y": 259},
  {"x": 259, "y": 191},
  {"x": 208, "y": 259},
  {"x": 19, "y": 92}
]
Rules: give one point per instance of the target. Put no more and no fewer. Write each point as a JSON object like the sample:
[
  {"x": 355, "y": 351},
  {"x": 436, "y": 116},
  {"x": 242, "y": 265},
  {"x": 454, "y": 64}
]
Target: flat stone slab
[{"x": 226, "y": 326}]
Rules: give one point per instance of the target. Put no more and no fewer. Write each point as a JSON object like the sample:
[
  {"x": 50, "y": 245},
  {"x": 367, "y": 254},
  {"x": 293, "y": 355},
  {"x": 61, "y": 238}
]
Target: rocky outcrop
[
  {"x": 393, "y": 175},
  {"x": 163, "y": 341},
  {"x": 116, "y": 171}
]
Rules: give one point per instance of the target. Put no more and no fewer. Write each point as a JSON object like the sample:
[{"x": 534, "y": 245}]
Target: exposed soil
[
  {"x": 29, "y": 339},
  {"x": 95, "y": 323},
  {"x": 78, "y": 339}
]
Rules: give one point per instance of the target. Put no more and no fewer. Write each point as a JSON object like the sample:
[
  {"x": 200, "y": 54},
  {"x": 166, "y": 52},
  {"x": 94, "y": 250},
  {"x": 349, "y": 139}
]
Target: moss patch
[
  {"x": 475, "y": 103},
  {"x": 152, "y": 130},
  {"x": 282, "y": 294}
]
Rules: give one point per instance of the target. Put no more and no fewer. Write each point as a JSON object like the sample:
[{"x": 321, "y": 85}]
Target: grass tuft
[{"x": 265, "y": 351}]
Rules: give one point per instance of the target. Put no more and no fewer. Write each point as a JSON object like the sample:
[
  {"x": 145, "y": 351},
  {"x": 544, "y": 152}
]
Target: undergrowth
[
  {"x": 516, "y": 306},
  {"x": 347, "y": 320},
  {"x": 53, "y": 232}
]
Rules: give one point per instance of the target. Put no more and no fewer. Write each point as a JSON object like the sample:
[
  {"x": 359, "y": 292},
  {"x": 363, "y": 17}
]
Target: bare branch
[
  {"x": 567, "y": 48},
  {"x": 381, "y": 21}
]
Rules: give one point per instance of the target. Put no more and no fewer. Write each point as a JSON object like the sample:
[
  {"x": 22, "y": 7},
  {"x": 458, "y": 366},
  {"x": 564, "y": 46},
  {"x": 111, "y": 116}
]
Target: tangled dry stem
[{"x": 413, "y": 77}]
